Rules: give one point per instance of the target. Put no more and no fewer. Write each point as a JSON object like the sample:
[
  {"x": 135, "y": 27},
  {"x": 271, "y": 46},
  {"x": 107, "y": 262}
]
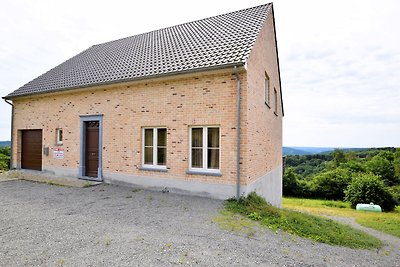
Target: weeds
[
  {"x": 60, "y": 262},
  {"x": 304, "y": 225},
  {"x": 107, "y": 240}
]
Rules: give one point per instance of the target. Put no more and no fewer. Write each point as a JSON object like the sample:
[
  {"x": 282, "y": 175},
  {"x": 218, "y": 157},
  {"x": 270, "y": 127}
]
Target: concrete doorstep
[{"x": 37, "y": 176}]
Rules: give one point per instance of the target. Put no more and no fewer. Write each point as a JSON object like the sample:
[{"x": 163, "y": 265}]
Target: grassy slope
[
  {"x": 388, "y": 222},
  {"x": 304, "y": 225}
]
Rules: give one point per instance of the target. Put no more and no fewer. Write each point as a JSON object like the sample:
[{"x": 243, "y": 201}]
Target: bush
[
  {"x": 367, "y": 188},
  {"x": 331, "y": 184},
  {"x": 293, "y": 185},
  {"x": 4, "y": 160},
  {"x": 382, "y": 165}
]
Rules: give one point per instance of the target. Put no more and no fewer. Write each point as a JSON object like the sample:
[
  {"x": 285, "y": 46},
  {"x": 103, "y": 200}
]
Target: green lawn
[
  {"x": 305, "y": 225},
  {"x": 388, "y": 222}
]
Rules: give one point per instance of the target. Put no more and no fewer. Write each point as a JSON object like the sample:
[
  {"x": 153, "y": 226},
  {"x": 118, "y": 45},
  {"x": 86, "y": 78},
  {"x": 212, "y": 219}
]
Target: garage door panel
[{"x": 31, "y": 156}]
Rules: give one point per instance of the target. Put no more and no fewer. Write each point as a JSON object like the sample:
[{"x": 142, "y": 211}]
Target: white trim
[
  {"x": 155, "y": 146},
  {"x": 205, "y": 168}
]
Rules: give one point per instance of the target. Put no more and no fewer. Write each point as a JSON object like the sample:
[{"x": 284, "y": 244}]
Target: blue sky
[{"x": 340, "y": 60}]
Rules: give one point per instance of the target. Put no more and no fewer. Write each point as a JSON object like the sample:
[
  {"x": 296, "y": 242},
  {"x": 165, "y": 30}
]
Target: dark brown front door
[
  {"x": 92, "y": 148},
  {"x": 31, "y": 150}
]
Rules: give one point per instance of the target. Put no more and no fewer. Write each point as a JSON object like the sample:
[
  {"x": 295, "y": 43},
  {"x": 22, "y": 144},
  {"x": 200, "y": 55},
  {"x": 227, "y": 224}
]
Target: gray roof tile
[{"x": 208, "y": 43}]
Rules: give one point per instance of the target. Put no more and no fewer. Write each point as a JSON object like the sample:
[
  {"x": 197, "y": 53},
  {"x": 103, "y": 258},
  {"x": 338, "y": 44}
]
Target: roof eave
[{"x": 225, "y": 66}]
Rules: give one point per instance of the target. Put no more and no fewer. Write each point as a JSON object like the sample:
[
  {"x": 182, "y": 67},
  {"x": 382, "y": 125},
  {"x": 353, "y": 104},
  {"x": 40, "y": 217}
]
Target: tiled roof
[{"x": 208, "y": 43}]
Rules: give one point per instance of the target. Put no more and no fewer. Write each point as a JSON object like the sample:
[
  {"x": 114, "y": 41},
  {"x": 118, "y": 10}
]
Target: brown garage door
[{"x": 31, "y": 153}]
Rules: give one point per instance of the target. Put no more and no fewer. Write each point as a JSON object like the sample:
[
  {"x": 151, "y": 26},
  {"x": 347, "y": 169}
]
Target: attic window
[
  {"x": 275, "y": 102},
  {"x": 266, "y": 90}
]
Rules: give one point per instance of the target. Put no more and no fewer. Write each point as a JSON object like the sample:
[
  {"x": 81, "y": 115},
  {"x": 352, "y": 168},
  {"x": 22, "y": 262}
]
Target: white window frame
[
  {"x": 155, "y": 146},
  {"x": 59, "y": 138},
  {"x": 205, "y": 150}
]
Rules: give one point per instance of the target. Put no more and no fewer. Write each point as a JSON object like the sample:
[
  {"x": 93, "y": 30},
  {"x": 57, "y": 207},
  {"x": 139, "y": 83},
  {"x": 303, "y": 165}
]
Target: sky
[{"x": 339, "y": 60}]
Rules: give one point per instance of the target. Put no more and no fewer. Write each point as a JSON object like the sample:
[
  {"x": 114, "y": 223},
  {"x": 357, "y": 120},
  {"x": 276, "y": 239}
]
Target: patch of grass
[
  {"x": 182, "y": 258},
  {"x": 52, "y": 183},
  {"x": 107, "y": 240},
  {"x": 301, "y": 224},
  {"x": 134, "y": 190},
  {"x": 87, "y": 184},
  {"x": 60, "y": 262},
  {"x": 230, "y": 221},
  {"x": 387, "y": 222}
]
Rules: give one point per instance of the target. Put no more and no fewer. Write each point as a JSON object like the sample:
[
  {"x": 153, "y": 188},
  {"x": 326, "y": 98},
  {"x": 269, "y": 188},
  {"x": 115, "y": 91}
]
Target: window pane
[
  {"x": 148, "y": 137},
  {"x": 213, "y": 158},
  {"x": 197, "y": 137},
  {"x": 161, "y": 137},
  {"x": 148, "y": 155},
  {"x": 197, "y": 158},
  {"x": 60, "y": 135},
  {"x": 213, "y": 137},
  {"x": 161, "y": 156}
]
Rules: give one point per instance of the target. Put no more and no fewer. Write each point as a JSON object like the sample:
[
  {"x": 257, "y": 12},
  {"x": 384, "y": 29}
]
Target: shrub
[
  {"x": 4, "y": 162},
  {"x": 367, "y": 188},
  {"x": 293, "y": 185},
  {"x": 331, "y": 184},
  {"x": 382, "y": 165}
]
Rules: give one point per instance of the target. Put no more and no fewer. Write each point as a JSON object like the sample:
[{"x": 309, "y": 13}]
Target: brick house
[{"x": 161, "y": 110}]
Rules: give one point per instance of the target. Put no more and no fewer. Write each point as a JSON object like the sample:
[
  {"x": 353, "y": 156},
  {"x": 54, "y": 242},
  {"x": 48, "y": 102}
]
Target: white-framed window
[
  {"x": 275, "y": 102},
  {"x": 59, "y": 136},
  {"x": 154, "y": 147},
  {"x": 266, "y": 90},
  {"x": 205, "y": 148}
]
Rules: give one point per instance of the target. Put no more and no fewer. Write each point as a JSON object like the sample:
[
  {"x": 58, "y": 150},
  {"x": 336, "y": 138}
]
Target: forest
[{"x": 366, "y": 176}]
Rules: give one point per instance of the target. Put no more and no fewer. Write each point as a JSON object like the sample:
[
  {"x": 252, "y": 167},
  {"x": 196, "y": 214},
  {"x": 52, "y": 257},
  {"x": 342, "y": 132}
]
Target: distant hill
[
  {"x": 300, "y": 150},
  {"x": 5, "y": 143}
]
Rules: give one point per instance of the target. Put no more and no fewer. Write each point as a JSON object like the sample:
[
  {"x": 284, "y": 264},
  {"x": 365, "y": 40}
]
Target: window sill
[
  {"x": 58, "y": 144},
  {"x": 154, "y": 169},
  {"x": 207, "y": 173},
  {"x": 267, "y": 105}
]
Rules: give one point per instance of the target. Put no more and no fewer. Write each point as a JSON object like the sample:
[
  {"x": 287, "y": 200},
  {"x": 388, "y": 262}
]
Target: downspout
[
  {"x": 12, "y": 128},
  {"x": 238, "y": 135}
]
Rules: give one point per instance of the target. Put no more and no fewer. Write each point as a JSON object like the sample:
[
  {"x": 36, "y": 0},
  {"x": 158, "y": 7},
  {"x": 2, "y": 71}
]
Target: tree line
[{"x": 371, "y": 175}]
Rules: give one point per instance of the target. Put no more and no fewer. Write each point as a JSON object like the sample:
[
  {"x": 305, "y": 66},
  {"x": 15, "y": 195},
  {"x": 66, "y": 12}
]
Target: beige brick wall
[
  {"x": 264, "y": 128},
  {"x": 203, "y": 99}
]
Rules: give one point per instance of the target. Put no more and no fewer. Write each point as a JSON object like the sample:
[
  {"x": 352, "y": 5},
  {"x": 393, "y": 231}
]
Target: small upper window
[
  {"x": 59, "y": 136},
  {"x": 275, "y": 102},
  {"x": 266, "y": 90}
]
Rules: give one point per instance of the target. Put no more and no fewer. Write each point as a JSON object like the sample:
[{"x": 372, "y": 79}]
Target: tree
[
  {"x": 331, "y": 184},
  {"x": 367, "y": 188},
  {"x": 338, "y": 157},
  {"x": 396, "y": 163},
  {"x": 382, "y": 166}
]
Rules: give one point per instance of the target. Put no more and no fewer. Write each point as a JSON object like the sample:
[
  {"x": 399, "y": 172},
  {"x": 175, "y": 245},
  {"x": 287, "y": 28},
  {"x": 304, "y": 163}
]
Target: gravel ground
[{"x": 104, "y": 225}]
